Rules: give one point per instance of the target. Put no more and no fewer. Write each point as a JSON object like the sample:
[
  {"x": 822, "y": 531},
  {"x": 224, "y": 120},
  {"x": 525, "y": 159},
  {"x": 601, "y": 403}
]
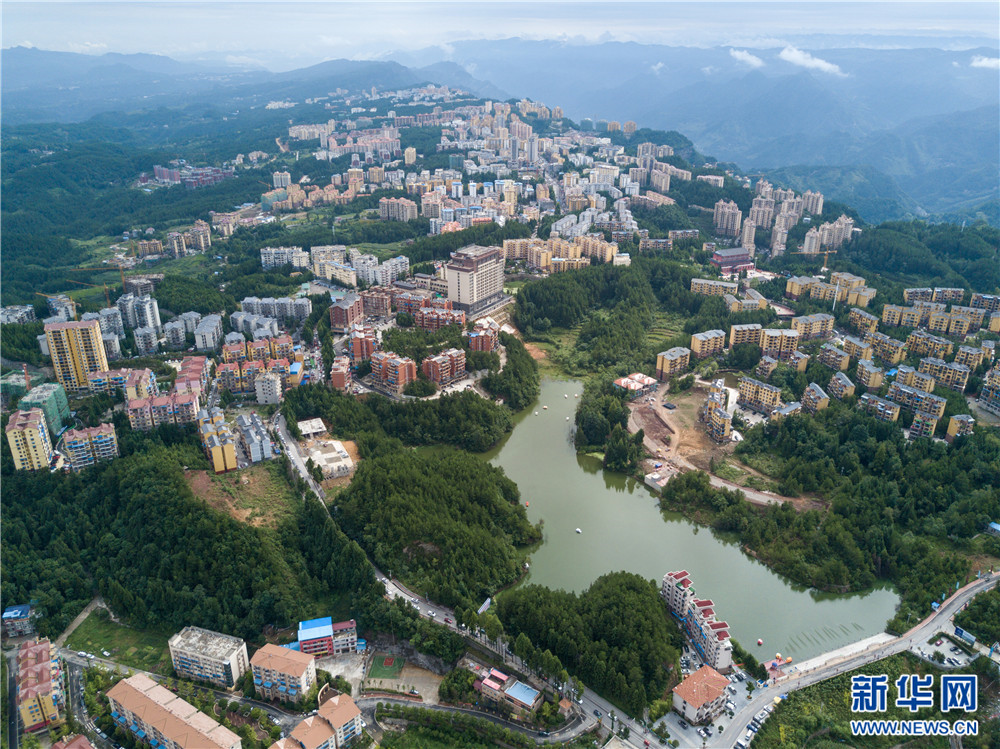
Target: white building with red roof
[
  {"x": 702, "y": 695},
  {"x": 709, "y": 636}
]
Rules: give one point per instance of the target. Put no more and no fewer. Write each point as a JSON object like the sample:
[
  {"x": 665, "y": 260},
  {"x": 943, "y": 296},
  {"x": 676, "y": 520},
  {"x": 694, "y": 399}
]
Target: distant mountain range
[{"x": 893, "y": 132}]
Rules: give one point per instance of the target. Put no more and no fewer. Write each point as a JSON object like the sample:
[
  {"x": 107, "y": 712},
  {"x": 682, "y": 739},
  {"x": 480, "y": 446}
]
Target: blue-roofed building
[
  {"x": 17, "y": 620},
  {"x": 523, "y": 697},
  {"x": 325, "y": 637},
  {"x": 993, "y": 528}
]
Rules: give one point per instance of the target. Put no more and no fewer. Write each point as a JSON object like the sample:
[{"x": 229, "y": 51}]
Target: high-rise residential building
[
  {"x": 281, "y": 673},
  {"x": 818, "y": 325},
  {"x": 146, "y": 342},
  {"x": 475, "y": 278},
  {"x": 139, "y": 312},
  {"x": 397, "y": 209},
  {"x": 51, "y": 398},
  {"x": 708, "y": 343},
  {"x": 281, "y": 179},
  {"x": 38, "y": 685},
  {"x": 268, "y": 388},
  {"x": 697, "y": 616},
  {"x": 762, "y": 212},
  {"x": 410, "y": 156},
  {"x": 812, "y": 202},
  {"x": 153, "y": 713},
  {"x": 209, "y": 656},
  {"x": 29, "y": 441},
  {"x": 77, "y": 349},
  {"x": 747, "y": 237},
  {"x": 727, "y": 219},
  {"x": 275, "y": 257},
  {"x": 208, "y": 334},
  {"x": 88, "y": 446}
]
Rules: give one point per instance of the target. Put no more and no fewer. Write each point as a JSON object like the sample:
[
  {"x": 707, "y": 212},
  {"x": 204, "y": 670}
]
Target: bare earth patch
[
  {"x": 537, "y": 353},
  {"x": 256, "y": 495}
]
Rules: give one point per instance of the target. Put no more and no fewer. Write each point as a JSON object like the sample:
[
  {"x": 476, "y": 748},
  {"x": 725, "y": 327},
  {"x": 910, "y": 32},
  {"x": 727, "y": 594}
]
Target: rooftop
[
  {"x": 283, "y": 660},
  {"x": 522, "y": 693},
  {"x": 206, "y": 642},
  {"x": 702, "y": 687}
]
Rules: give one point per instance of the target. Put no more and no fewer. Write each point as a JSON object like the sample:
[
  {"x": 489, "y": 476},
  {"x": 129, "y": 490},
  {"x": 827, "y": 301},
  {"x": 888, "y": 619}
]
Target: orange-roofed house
[
  {"x": 702, "y": 695},
  {"x": 38, "y": 690},
  {"x": 73, "y": 742},
  {"x": 337, "y": 722},
  {"x": 282, "y": 673}
]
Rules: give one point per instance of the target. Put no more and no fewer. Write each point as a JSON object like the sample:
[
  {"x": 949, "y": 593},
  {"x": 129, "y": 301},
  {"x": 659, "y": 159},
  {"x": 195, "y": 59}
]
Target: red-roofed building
[
  {"x": 38, "y": 690},
  {"x": 702, "y": 695},
  {"x": 73, "y": 742}
]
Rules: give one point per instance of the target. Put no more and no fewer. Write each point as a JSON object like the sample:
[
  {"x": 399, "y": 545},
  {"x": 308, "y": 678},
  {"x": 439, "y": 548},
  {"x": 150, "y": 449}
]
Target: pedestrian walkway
[{"x": 853, "y": 648}]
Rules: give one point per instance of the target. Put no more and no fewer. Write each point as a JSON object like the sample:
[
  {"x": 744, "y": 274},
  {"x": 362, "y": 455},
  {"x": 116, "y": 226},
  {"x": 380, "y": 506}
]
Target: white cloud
[
  {"x": 709, "y": 69},
  {"x": 985, "y": 62},
  {"x": 741, "y": 55},
  {"x": 656, "y": 68},
  {"x": 87, "y": 48},
  {"x": 805, "y": 60}
]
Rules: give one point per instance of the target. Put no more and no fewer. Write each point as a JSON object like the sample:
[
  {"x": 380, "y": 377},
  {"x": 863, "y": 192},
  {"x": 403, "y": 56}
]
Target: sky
[{"x": 281, "y": 36}]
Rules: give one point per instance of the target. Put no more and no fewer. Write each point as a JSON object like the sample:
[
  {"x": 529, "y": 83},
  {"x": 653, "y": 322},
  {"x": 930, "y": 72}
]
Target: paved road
[
  {"x": 922, "y": 632},
  {"x": 14, "y": 718},
  {"x": 291, "y": 449}
]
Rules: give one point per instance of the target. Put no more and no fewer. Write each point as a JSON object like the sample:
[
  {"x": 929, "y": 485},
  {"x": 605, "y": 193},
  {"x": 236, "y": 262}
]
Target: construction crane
[
  {"x": 54, "y": 296},
  {"x": 826, "y": 255},
  {"x": 107, "y": 295},
  {"x": 121, "y": 270}
]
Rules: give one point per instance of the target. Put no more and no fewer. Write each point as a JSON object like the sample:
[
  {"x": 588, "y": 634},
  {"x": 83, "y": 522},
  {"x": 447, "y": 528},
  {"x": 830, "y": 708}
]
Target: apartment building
[
  {"x": 208, "y": 333},
  {"x": 323, "y": 636},
  {"x": 988, "y": 302},
  {"x": 798, "y": 361},
  {"x": 814, "y": 398},
  {"x": 205, "y": 655},
  {"x": 446, "y": 367},
  {"x": 51, "y": 398},
  {"x": 76, "y": 349},
  {"x": 711, "y": 287},
  {"x": 808, "y": 327},
  {"x": 863, "y": 322},
  {"x": 915, "y": 400},
  {"x": 340, "y": 374},
  {"x": 895, "y": 315},
  {"x": 38, "y": 686},
  {"x": 484, "y": 336},
  {"x": 85, "y": 447},
  {"x": 727, "y": 218},
  {"x": 140, "y": 312},
  {"x": 989, "y": 395},
  {"x": 276, "y": 257},
  {"x": 176, "y": 408},
  {"x": 869, "y": 375},
  {"x": 779, "y": 343},
  {"x": 923, "y": 425},
  {"x": 969, "y": 356},
  {"x": 155, "y": 714},
  {"x": 218, "y": 440},
  {"x": 994, "y": 322},
  {"x": 918, "y": 295},
  {"x": 788, "y": 409},
  {"x": 708, "y": 343},
  {"x": 346, "y": 312},
  {"x": 885, "y": 348},
  {"x": 912, "y": 378},
  {"x": 361, "y": 344},
  {"x": 833, "y": 357},
  {"x": 766, "y": 366},
  {"x": 336, "y": 724},
  {"x": 752, "y": 302},
  {"x": 672, "y": 362},
  {"x": 28, "y": 437},
  {"x": 920, "y": 343},
  {"x": 759, "y": 396},
  {"x": 709, "y": 636},
  {"x": 268, "y": 389},
  {"x": 475, "y": 278},
  {"x": 282, "y": 673},
  {"x": 377, "y": 302},
  {"x": 701, "y": 696},
  {"x": 952, "y": 375},
  {"x": 746, "y": 333},
  {"x": 799, "y": 287},
  {"x": 840, "y": 386},
  {"x": 948, "y": 294},
  {"x": 18, "y": 620},
  {"x": 880, "y": 408},
  {"x": 719, "y": 424},
  {"x": 429, "y": 318},
  {"x": 517, "y": 696},
  {"x": 959, "y": 425},
  {"x": 393, "y": 371},
  {"x": 856, "y": 348}
]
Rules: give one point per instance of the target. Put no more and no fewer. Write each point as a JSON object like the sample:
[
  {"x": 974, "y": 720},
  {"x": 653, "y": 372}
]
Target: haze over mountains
[{"x": 893, "y": 131}]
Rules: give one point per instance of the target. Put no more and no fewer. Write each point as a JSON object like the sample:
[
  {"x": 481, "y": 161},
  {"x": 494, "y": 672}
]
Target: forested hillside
[
  {"x": 449, "y": 525},
  {"x": 617, "y": 635}
]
